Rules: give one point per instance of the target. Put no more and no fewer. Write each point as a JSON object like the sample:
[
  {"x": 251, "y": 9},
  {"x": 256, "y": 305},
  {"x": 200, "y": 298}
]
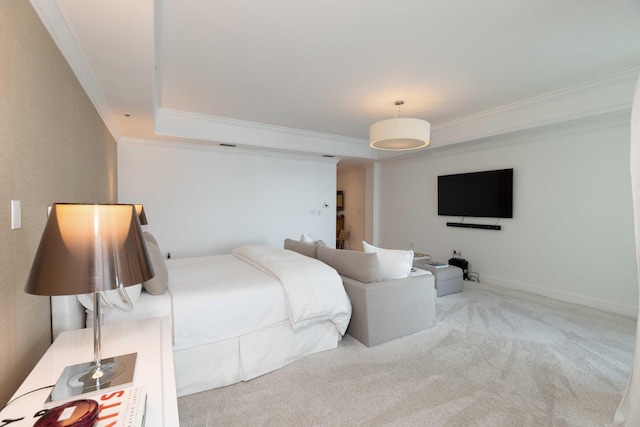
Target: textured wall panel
[{"x": 53, "y": 148}]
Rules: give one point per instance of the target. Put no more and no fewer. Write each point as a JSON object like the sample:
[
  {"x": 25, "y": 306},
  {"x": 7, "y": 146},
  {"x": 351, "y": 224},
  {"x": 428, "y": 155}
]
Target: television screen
[{"x": 477, "y": 194}]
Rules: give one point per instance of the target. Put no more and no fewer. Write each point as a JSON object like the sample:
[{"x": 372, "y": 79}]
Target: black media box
[{"x": 463, "y": 264}]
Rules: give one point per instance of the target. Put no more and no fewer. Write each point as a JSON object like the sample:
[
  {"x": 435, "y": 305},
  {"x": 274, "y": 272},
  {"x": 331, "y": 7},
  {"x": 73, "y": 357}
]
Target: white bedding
[
  {"x": 222, "y": 337},
  {"x": 314, "y": 290},
  {"x": 213, "y": 298},
  {"x": 218, "y": 297}
]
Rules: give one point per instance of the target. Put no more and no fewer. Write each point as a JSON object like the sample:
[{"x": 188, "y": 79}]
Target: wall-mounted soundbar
[{"x": 482, "y": 226}]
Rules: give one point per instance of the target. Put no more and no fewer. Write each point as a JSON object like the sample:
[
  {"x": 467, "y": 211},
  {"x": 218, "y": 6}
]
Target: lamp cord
[{"x": 24, "y": 394}]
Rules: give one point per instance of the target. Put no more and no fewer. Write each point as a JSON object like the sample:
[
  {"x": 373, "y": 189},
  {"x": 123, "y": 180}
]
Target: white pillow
[
  {"x": 158, "y": 284},
  {"x": 307, "y": 239},
  {"x": 108, "y": 299},
  {"x": 394, "y": 263},
  {"x": 148, "y": 237}
]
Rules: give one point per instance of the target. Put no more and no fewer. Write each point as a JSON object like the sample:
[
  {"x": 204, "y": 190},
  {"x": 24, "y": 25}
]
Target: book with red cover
[{"x": 123, "y": 407}]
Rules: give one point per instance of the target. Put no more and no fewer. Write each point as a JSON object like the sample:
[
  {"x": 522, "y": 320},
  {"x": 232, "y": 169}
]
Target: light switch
[{"x": 16, "y": 221}]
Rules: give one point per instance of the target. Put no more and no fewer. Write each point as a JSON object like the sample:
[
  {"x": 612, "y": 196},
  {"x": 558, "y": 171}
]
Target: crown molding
[
  {"x": 56, "y": 24},
  {"x": 182, "y": 124},
  {"x": 609, "y": 95},
  {"x": 239, "y": 150},
  {"x": 573, "y": 127}
]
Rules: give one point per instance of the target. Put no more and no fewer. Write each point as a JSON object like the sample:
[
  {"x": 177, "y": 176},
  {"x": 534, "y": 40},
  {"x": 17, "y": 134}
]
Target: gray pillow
[
  {"x": 307, "y": 249},
  {"x": 157, "y": 285},
  {"x": 354, "y": 264}
]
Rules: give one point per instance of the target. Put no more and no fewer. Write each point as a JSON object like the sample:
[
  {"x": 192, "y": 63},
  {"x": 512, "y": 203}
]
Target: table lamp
[{"x": 89, "y": 248}]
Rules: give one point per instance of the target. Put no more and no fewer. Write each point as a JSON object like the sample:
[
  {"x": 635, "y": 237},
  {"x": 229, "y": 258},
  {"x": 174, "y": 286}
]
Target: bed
[{"x": 234, "y": 316}]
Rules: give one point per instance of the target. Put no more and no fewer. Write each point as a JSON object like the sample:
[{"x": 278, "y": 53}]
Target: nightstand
[
  {"x": 150, "y": 338},
  {"x": 448, "y": 278}
]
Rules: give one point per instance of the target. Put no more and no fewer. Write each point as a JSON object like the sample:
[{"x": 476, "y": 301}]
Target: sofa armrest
[{"x": 386, "y": 310}]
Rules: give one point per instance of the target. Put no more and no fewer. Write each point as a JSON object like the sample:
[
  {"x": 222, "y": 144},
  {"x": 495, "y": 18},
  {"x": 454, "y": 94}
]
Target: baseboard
[{"x": 613, "y": 307}]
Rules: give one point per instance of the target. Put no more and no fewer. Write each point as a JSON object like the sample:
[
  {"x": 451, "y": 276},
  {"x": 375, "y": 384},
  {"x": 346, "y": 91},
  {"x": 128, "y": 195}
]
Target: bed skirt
[
  {"x": 246, "y": 357},
  {"x": 224, "y": 362}
]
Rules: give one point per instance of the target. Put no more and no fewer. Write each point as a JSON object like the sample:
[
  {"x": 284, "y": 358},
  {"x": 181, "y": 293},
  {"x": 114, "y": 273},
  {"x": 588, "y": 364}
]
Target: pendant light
[{"x": 399, "y": 134}]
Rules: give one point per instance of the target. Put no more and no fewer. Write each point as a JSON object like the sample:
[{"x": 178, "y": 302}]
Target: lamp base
[{"x": 80, "y": 379}]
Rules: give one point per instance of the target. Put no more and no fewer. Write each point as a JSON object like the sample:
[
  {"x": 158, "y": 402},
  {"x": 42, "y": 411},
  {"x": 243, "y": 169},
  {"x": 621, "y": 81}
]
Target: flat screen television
[{"x": 486, "y": 194}]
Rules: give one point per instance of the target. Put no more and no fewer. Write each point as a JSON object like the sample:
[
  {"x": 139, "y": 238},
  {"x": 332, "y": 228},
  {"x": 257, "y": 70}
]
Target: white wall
[
  {"x": 201, "y": 200},
  {"x": 571, "y": 237}
]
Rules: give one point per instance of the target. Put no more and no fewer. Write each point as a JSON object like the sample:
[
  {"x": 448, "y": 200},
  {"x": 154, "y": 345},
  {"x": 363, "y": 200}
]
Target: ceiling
[{"x": 311, "y": 77}]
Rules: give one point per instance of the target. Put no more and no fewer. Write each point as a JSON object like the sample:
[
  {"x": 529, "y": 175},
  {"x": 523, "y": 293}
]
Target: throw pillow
[
  {"x": 116, "y": 297},
  {"x": 394, "y": 263},
  {"x": 157, "y": 285},
  {"x": 307, "y": 239},
  {"x": 148, "y": 237}
]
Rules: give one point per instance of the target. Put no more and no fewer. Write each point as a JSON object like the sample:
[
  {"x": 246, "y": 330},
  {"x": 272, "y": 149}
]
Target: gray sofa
[{"x": 382, "y": 310}]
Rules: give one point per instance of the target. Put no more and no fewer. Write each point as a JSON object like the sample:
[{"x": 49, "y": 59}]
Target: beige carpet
[{"x": 495, "y": 358}]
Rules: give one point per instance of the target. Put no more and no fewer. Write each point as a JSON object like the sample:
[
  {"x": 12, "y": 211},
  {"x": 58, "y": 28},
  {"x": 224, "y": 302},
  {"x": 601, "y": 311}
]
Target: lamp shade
[
  {"x": 141, "y": 215},
  {"x": 399, "y": 134},
  {"x": 88, "y": 249}
]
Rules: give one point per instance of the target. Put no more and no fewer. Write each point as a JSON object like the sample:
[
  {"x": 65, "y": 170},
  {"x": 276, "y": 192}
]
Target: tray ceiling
[{"x": 312, "y": 76}]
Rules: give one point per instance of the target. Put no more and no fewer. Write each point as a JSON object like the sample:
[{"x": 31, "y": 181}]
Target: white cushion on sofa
[{"x": 394, "y": 263}]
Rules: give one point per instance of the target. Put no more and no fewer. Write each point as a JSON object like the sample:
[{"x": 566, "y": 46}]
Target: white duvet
[
  {"x": 314, "y": 291},
  {"x": 219, "y": 297}
]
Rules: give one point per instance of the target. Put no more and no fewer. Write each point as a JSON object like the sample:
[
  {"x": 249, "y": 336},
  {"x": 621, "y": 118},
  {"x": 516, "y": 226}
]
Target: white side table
[{"x": 150, "y": 338}]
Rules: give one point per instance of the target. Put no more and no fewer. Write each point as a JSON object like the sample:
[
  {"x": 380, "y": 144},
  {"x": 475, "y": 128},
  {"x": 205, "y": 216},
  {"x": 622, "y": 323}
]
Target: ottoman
[{"x": 448, "y": 280}]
